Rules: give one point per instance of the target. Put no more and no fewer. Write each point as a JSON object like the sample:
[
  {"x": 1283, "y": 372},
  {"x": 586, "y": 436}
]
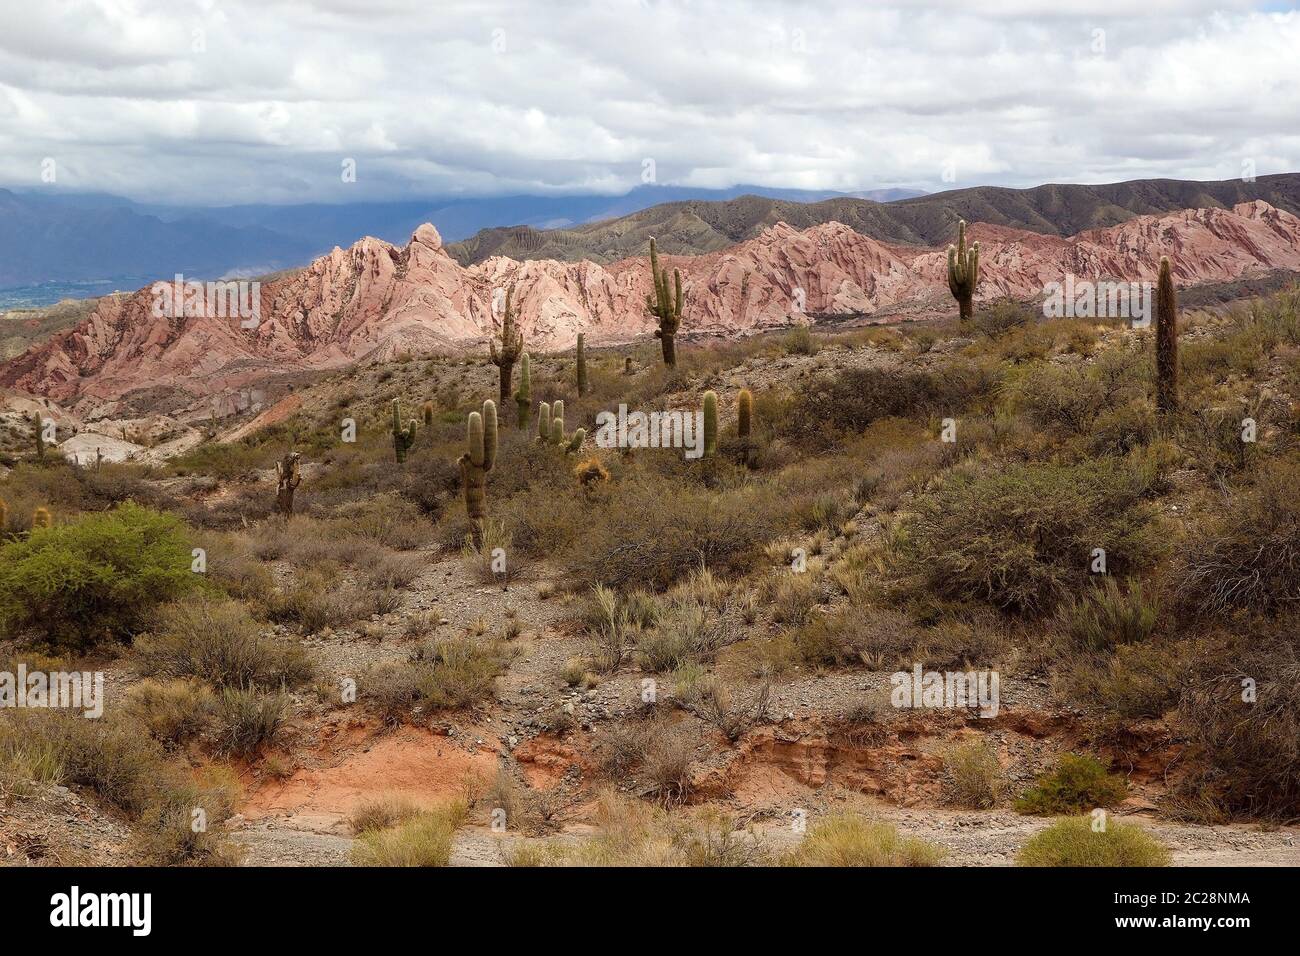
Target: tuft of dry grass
[
  {"x": 853, "y": 840},
  {"x": 424, "y": 839}
]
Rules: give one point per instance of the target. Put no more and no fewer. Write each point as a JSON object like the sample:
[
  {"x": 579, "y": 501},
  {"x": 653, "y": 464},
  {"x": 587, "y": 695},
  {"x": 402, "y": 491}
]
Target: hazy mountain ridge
[
  {"x": 693, "y": 228},
  {"x": 50, "y": 237}
]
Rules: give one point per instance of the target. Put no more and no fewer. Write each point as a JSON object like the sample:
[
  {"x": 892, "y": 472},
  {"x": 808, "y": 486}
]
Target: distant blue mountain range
[{"x": 54, "y": 243}]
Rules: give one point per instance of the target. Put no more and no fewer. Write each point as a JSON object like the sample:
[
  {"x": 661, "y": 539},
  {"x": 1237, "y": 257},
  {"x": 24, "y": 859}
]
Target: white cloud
[{"x": 216, "y": 101}]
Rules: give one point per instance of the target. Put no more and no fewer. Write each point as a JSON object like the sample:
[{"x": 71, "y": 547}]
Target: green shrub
[
  {"x": 1251, "y": 560},
  {"x": 1106, "y": 616},
  {"x": 831, "y": 407},
  {"x": 1002, "y": 316},
  {"x": 114, "y": 758},
  {"x": 1240, "y": 711},
  {"x": 167, "y": 835},
  {"x": 1137, "y": 681},
  {"x": 799, "y": 341},
  {"x": 1021, "y": 537},
  {"x": 218, "y": 641},
  {"x": 852, "y": 840},
  {"x": 443, "y": 674},
  {"x": 1073, "y": 842},
  {"x": 247, "y": 720},
  {"x": 173, "y": 711},
  {"x": 95, "y": 578},
  {"x": 1076, "y": 783},
  {"x": 623, "y": 540}
]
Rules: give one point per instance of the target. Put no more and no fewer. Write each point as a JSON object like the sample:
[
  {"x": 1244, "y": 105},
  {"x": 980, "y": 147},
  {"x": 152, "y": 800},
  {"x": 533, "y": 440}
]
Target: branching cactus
[
  {"x": 524, "y": 397},
  {"x": 1166, "y": 340},
  {"x": 745, "y": 424},
  {"x": 963, "y": 272},
  {"x": 665, "y": 307},
  {"x": 288, "y": 476},
  {"x": 557, "y": 423},
  {"x": 543, "y": 423},
  {"x": 403, "y": 438},
  {"x": 480, "y": 455},
  {"x": 582, "y": 366},
  {"x": 512, "y": 346},
  {"x": 41, "y": 518},
  {"x": 710, "y": 423}
]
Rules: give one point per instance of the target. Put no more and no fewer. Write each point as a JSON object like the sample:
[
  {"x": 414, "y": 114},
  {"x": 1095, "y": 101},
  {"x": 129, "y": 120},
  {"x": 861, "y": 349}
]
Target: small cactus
[
  {"x": 403, "y": 438},
  {"x": 744, "y": 423},
  {"x": 512, "y": 346},
  {"x": 582, "y": 366},
  {"x": 666, "y": 308},
  {"x": 710, "y": 423},
  {"x": 287, "y": 479},
  {"x": 543, "y": 423},
  {"x": 1166, "y": 340},
  {"x": 963, "y": 272},
  {"x": 524, "y": 397},
  {"x": 41, "y": 518},
  {"x": 480, "y": 455},
  {"x": 627, "y": 365},
  {"x": 4, "y": 515},
  {"x": 428, "y": 414},
  {"x": 576, "y": 441},
  {"x": 557, "y": 422}
]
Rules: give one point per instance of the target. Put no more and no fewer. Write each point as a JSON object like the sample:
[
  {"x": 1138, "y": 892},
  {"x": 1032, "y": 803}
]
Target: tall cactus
[
  {"x": 480, "y": 455},
  {"x": 403, "y": 438},
  {"x": 1166, "y": 340},
  {"x": 744, "y": 424},
  {"x": 582, "y": 366},
  {"x": 543, "y": 423},
  {"x": 288, "y": 477},
  {"x": 524, "y": 397},
  {"x": 710, "y": 423},
  {"x": 963, "y": 272},
  {"x": 512, "y": 346},
  {"x": 38, "y": 427},
  {"x": 41, "y": 518},
  {"x": 664, "y": 306},
  {"x": 427, "y": 411}
]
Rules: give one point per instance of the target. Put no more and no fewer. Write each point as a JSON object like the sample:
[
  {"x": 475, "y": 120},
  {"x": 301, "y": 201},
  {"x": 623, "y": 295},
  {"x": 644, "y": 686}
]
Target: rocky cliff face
[{"x": 376, "y": 301}]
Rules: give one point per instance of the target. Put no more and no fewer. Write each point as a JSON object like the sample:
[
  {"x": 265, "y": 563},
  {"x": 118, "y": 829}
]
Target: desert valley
[{"x": 364, "y": 585}]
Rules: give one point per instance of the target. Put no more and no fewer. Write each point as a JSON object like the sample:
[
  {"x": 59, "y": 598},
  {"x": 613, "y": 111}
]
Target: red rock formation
[{"x": 376, "y": 301}]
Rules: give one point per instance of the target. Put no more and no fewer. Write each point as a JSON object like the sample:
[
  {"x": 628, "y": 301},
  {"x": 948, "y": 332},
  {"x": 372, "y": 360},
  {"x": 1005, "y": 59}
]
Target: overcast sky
[{"x": 223, "y": 101}]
